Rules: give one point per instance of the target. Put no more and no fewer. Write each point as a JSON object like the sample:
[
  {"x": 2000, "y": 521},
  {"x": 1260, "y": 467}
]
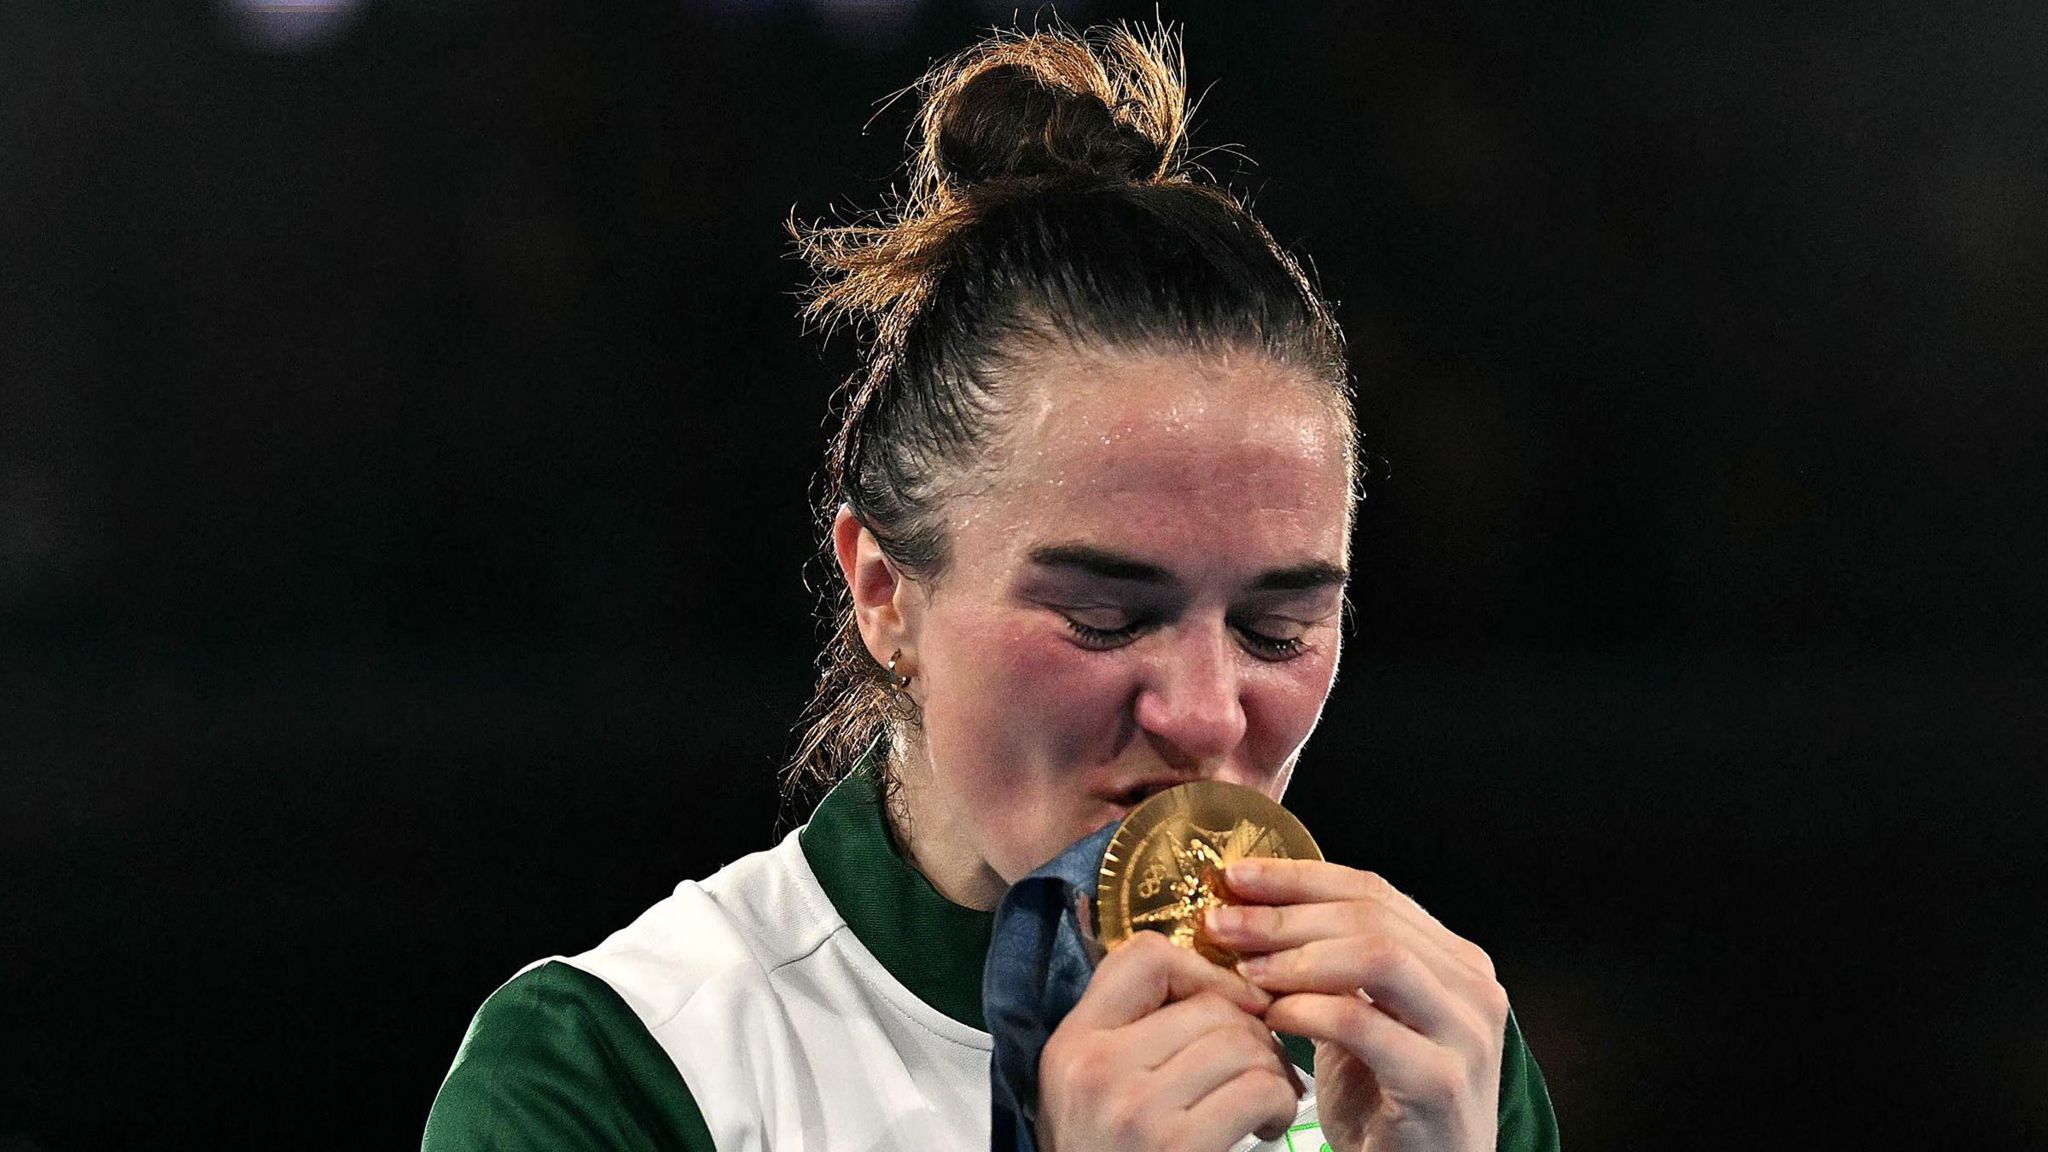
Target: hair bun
[
  {"x": 1006, "y": 123},
  {"x": 1052, "y": 107},
  {"x": 1026, "y": 111}
]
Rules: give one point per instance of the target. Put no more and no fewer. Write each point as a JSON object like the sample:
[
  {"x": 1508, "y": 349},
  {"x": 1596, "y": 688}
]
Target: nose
[{"x": 1190, "y": 706}]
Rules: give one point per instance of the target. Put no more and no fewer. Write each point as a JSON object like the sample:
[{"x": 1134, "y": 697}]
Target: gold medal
[{"x": 1164, "y": 866}]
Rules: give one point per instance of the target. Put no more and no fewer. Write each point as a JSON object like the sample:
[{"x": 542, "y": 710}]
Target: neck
[{"x": 928, "y": 834}]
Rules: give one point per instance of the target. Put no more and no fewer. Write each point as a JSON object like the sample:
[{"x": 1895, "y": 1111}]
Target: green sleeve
[
  {"x": 555, "y": 1060},
  {"x": 1526, "y": 1121}
]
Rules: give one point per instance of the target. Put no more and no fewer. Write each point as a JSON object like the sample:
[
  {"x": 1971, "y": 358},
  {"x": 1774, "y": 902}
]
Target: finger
[
  {"x": 1255, "y": 1101},
  {"x": 1210, "y": 1061},
  {"x": 1396, "y": 979},
  {"x": 1145, "y": 972},
  {"x": 1251, "y": 929},
  {"x": 1404, "y": 1062},
  {"x": 1260, "y": 880},
  {"x": 1155, "y": 1040}
]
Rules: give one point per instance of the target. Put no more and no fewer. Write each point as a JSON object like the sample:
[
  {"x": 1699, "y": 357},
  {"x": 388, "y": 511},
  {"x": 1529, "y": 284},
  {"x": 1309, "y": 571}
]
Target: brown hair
[{"x": 1051, "y": 201}]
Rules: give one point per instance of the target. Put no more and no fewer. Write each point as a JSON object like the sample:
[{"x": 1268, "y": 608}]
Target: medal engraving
[{"x": 1164, "y": 866}]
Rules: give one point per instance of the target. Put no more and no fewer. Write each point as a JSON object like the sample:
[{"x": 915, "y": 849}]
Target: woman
[{"x": 1092, "y": 504}]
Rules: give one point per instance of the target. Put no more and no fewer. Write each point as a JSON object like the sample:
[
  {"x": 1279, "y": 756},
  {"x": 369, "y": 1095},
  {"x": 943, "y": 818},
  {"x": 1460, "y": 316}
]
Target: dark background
[{"x": 406, "y": 440}]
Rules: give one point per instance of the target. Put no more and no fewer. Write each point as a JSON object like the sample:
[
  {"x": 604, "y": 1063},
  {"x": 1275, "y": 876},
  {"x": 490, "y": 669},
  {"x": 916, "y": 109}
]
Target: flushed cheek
[
  {"x": 1281, "y": 714},
  {"x": 1020, "y": 713},
  {"x": 1040, "y": 715},
  {"x": 1065, "y": 705}
]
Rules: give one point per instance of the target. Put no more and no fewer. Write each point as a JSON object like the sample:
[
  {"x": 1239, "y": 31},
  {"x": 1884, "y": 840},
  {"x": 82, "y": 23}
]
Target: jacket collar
[{"x": 932, "y": 946}]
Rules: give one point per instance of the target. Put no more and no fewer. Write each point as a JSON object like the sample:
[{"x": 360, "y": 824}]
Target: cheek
[
  {"x": 1062, "y": 705},
  {"x": 1282, "y": 710},
  {"x": 1023, "y": 716},
  {"x": 1066, "y": 704},
  {"x": 1021, "y": 709}
]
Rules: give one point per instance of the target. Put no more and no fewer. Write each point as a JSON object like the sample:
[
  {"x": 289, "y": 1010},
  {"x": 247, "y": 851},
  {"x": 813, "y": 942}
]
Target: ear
[{"x": 885, "y": 601}]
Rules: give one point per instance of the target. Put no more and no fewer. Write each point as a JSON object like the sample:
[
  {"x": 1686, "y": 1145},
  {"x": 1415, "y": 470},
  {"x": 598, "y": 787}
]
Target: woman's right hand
[{"x": 1164, "y": 1051}]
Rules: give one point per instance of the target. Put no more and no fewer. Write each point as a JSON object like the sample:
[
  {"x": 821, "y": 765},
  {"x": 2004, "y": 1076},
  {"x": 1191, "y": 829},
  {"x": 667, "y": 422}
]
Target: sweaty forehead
[
  {"x": 1104, "y": 440},
  {"x": 1148, "y": 421}
]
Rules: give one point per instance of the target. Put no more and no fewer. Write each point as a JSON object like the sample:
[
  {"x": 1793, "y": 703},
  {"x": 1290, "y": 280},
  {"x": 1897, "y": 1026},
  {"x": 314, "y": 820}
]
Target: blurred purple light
[{"x": 289, "y": 25}]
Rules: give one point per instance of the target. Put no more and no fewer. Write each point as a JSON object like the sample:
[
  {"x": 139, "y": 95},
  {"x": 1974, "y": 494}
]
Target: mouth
[{"x": 1136, "y": 794}]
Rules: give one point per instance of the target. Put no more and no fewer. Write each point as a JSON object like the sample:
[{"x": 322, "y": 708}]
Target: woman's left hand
[{"x": 1407, "y": 1016}]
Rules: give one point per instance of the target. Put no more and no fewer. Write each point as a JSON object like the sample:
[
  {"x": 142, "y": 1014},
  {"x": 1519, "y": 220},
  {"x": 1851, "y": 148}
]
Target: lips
[{"x": 1132, "y": 795}]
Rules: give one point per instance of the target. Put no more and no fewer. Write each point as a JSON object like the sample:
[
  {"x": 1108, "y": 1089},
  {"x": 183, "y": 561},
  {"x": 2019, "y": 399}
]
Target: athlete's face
[{"x": 1144, "y": 588}]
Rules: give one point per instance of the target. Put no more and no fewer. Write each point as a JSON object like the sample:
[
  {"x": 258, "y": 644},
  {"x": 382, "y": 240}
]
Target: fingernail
[
  {"x": 1253, "y": 967},
  {"x": 1245, "y": 870},
  {"x": 1226, "y": 918}
]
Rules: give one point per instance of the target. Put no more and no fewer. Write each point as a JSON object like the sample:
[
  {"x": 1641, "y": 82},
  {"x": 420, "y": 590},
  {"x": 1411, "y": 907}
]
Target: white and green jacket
[{"x": 817, "y": 996}]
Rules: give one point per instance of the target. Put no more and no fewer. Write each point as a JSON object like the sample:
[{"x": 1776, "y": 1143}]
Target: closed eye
[
  {"x": 1260, "y": 643},
  {"x": 1271, "y": 648},
  {"x": 1106, "y": 638}
]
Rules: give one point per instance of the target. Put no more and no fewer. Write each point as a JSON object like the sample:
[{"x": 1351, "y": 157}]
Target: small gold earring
[{"x": 900, "y": 682}]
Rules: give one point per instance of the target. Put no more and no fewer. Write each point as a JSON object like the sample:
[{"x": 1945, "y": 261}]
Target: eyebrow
[{"x": 1108, "y": 565}]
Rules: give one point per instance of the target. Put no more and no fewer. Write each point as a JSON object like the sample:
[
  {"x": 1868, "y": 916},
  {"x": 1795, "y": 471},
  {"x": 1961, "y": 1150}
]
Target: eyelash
[{"x": 1264, "y": 647}]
